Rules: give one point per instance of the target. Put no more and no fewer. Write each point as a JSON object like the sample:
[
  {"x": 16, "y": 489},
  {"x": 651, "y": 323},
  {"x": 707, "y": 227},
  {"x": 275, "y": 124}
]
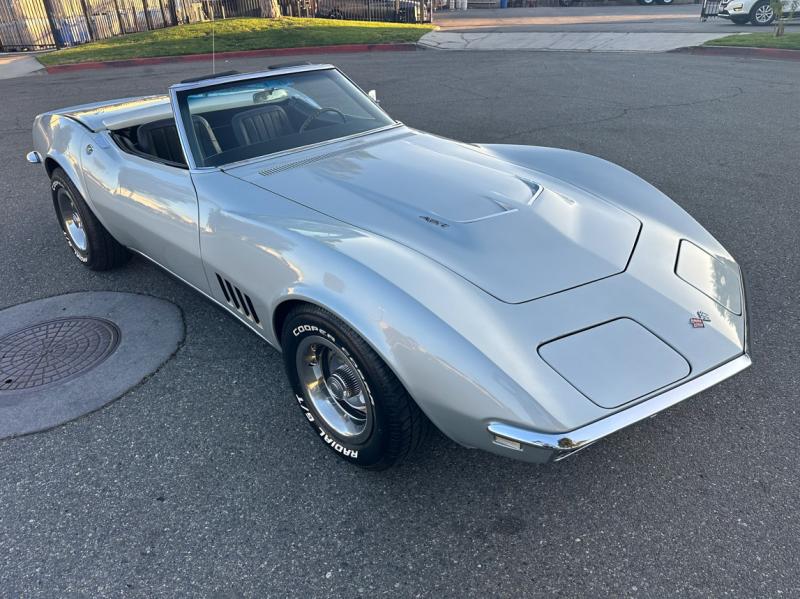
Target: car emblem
[{"x": 699, "y": 321}]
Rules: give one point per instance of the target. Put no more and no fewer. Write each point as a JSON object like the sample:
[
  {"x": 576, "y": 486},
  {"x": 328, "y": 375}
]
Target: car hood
[{"x": 515, "y": 233}]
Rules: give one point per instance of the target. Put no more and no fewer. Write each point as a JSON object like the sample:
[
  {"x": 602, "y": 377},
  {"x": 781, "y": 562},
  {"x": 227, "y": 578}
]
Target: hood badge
[
  {"x": 699, "y": 321},
  {"x": 433, "y": 221}
]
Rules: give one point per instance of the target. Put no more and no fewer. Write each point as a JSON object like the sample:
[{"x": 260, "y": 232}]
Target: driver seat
[{"x": 262, "y": 123}]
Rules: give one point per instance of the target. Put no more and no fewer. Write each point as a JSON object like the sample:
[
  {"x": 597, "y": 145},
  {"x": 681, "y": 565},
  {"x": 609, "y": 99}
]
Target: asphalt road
[
  {"x": 206, "y": 481},
  {"x": 684, "y": 18}
]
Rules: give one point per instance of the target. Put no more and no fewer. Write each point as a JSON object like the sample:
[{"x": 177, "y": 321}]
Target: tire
[
  {"x": 85, "y": 235},
  {"x": 566, "y": 2},
  {"x": 378, "y": 425},
  {"x": 762, "y": 14},
  {"x": 646, "y": 2},
  {"x": 740, "y": 20},
  {"x": 664, "y": 2}
]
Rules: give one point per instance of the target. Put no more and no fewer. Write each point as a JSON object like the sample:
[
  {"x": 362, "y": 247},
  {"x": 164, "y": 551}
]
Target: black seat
[
  {"x": 261, "y": 124},
  {"x": 160, "y": 138}
]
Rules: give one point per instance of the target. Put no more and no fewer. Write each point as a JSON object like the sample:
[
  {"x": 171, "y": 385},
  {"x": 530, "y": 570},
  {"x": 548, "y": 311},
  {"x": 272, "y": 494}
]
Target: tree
[{"x": 269, "y": 9}]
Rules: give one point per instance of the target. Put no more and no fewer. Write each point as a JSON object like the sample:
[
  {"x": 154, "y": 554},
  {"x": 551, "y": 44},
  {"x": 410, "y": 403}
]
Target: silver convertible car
[{"x": 527, "y": 301}]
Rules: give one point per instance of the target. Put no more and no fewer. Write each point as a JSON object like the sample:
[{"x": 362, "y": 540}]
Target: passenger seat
[{"x": 160, "y": 139}]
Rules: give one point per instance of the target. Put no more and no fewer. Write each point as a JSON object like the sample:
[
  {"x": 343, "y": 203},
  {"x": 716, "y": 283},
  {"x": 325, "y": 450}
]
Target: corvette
[{"x": 526, "y": 301}]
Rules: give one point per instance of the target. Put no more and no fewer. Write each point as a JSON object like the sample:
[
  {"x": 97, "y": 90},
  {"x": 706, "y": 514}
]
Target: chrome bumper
[{"x": 557, "y": 446}]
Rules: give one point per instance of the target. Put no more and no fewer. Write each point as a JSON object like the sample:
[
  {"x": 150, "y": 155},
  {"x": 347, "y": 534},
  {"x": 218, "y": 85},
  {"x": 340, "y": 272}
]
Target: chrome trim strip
[
  {"x": 580, "y": 437},
  {"x": 183, "y": 137}
]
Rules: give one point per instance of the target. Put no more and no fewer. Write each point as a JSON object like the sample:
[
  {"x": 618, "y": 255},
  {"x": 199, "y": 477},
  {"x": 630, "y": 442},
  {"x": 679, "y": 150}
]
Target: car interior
[{"x": 227, "y": 135}]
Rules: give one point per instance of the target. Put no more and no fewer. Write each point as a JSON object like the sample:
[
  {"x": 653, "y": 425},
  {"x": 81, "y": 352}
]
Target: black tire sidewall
[
  {"x": 307, "y": 323},
  {"x": 61, "y": 183}
]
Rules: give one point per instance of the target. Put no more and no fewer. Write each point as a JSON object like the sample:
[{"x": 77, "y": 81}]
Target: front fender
[{"x": 458, "y": 386}]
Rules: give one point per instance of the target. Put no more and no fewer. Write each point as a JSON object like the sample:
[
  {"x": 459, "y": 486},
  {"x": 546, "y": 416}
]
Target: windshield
[{"x": 246, "y": 119}]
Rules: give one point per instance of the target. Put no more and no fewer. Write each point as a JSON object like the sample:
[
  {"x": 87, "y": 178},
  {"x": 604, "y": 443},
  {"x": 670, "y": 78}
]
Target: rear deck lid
[{"x": 116, "y": 114}]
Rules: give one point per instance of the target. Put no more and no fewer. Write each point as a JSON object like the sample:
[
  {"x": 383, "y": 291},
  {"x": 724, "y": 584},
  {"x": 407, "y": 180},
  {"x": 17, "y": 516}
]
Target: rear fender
[{"x": 60, "y": 141}]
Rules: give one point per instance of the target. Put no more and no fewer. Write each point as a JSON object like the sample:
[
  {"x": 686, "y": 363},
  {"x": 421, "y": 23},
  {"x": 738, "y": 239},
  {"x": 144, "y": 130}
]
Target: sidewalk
[
  {"x": 579, "y": 28},
  {"x": 18, "y": 65},
  {"x": 651, "y": 18},
  {"x": 586, "y": 42}
]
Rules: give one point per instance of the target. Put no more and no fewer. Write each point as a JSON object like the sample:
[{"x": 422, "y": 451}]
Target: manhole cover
[{"x": 54, "y": 351}]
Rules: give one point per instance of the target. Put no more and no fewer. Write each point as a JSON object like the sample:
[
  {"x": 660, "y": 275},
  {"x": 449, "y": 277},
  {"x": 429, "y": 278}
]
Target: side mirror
[{"x": 373, "y": 95}]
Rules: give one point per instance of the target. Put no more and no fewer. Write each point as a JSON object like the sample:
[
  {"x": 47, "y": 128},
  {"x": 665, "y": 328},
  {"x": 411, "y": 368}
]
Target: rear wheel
[
  {"x": 348, "y": 395},
  {"x": 666, "y": 2},
  {"x": 85, "y": 235},
  {"x": 646, "y": 2},
  {"x": 762, "y": 14}
]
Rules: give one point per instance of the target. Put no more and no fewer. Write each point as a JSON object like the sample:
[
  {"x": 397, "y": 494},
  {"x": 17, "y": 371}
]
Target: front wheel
[
  {"x": 646, "y": 2},
  {"x": 353, "y": 402},
  {"x": 762, "y": 14},
  {"x": 664, "y": 2}
]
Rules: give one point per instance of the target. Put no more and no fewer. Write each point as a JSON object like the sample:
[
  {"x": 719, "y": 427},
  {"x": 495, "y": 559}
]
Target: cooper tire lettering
[{"x": 316, "y": 346}]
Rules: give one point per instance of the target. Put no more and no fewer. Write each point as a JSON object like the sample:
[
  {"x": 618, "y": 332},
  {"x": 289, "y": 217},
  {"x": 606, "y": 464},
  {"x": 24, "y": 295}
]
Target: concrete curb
[
  {"x": 137, "y": 62},
  {"x": 745, "y": 52}
]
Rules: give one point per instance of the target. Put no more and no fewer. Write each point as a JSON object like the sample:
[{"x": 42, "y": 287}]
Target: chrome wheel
[
  {"x": 336, "y": 389},
  {"x": 73, "y": 224},
  {"x": 764, "y": 14}
]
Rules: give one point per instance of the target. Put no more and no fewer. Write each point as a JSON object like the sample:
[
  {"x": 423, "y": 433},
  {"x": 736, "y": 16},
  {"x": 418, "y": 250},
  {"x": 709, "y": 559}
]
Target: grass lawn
[
  {"x": 238, "y": 34},
  {"x": 788, "y": 41}
]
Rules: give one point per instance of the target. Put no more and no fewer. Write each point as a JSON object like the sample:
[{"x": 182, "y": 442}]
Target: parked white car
[{"x": 757, "y": 12}]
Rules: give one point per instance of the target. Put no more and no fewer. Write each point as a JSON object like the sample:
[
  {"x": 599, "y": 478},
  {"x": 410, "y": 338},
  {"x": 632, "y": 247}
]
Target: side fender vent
[{"x": 237, "y": 299}]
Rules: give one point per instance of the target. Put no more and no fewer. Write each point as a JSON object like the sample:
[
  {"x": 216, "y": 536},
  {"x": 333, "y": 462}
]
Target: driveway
[
  {"x": 205, "y": 480},
  {"x": 589, "y": 28}
]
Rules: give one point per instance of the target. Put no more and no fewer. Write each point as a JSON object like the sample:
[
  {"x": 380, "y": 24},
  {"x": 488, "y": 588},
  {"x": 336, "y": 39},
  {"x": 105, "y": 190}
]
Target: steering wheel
[{"x": 316, "y": 114}]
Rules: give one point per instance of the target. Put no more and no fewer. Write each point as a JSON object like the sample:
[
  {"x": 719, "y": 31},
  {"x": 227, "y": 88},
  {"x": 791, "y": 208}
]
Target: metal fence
[
  {"x": 710, "y": 8},
  {"x": 43, "y": 24}
]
